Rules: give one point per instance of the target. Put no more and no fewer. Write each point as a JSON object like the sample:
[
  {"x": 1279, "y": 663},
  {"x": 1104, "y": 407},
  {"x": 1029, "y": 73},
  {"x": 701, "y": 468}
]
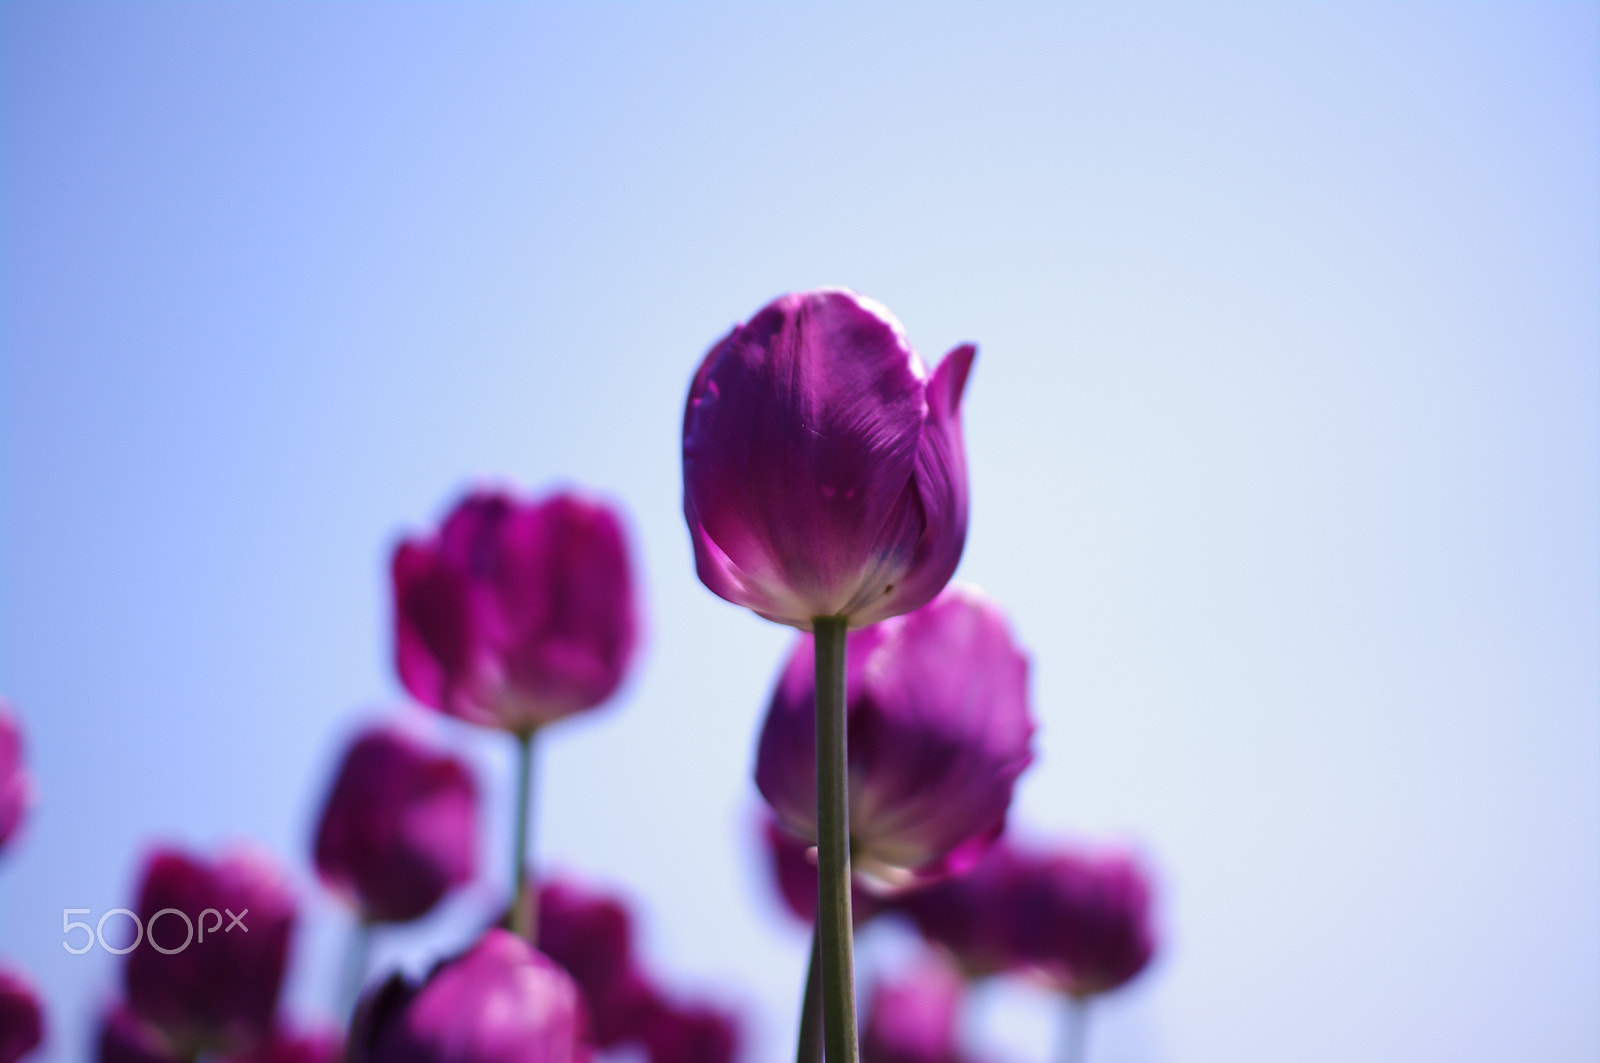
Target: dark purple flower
[
  {"x": 125, "y": 1038},
  {"x": 590, "y": 935},
  {"x": 515, "y": 613},
  {"x": 916, "y": 1018},
  {"x": 823, "y": 468},
  {"x": 938, "y": 731},
  {"x": 694, "y": 1033},
  {"x": 286, "y": 1046},
  {"x": 16, "y": 786},
  {"x": 1080, "y": 919},
  {"x": 399, "y": 828},
  {"x": 794, "y": 870},
  {"x": 21, "y": 1017},
  {"x": 499, "y": 1002},
  {"x": 217, "y": 992}
]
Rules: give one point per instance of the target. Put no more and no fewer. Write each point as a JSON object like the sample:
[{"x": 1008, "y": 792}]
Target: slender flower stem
[
  {"x": 834, "y": 945},
  {"x": 1074, "y": 1030},
  {"x": 810, "y": 1050},
  {"x": 524, "y": 897},
  {"x": 356, "y": 952}
]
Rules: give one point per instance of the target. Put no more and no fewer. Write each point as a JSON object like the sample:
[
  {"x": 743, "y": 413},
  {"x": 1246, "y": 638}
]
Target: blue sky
[{"x": 1283, "y": 439}]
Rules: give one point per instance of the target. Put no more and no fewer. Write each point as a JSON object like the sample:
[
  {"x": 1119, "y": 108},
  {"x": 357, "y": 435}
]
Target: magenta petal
[
  {"x": 516, "y": 613},
  {"x": 805, "y": 487},
  {"x": 939, "y": 729},
  {"x": 21, "y": 1017},
  {"x": 16, "y": 787},
  {"x": 695, "y": 1033},
  {"x": 499, "y": 1002},
  {"x": 216, "y": 995},
  {"x": 794, "y": 871},
  {"x": 399, "y": 827},
  {"x": 590, "y": 934},
  {"x": 915, "y": 1018}
]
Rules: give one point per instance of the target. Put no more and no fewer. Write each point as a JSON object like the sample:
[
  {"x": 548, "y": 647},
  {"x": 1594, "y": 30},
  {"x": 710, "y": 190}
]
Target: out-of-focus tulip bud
[
  {"x": 823, "y": 468},
  {"x": 501, "y": 1001},
  {"x": 916, "y": 1018},
  {"x": 794, "y": 870},
  {"x": 515, "y": 613},
  {"x": 285, "y": 1046},
  {"x": 16, "y": 785},
  {"x": 695, "y": 1033},
  {"x": 125, "y": 1038},
  {"x": 1079, "y": 919},
  {"x": 21, "y": 1017},
  {"x": 590, "y": 935},
  {"x": 399, "y": 827},
  {"x": 938, "y": 731},
  {"x": 215, "y": 990}
]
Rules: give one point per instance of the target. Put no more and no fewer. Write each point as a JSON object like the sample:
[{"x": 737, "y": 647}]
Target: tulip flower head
[
  {"x": 515, "y": 613},
  {"x": 16, "y": 786},
  {"x": 938, "y": 731},
  {"x": 215, "y": 995},
  {"x": 590, "y": 934},
  {"x": 1078, "y": 919},
  {"x": 694, "y": 1033},
  {"x": 915, "y": 1019},
  {"x": 399, "y": 827},
  {"x": 21, "y": 1017},
  {"x": 823, "y": 467},
  {"x": 501, "y": 1001}
]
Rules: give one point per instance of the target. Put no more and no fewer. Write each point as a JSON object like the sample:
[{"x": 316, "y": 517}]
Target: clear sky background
[{"x": 1283, "y": 443}]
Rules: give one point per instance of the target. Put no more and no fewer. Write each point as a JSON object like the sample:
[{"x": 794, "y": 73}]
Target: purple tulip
[
  {"x": 16, "y": 786},
  {"x": 915, "y": 1019},
  {"x": 399, "y": 828},
  {"x": 217, "y": 993},
  {"x": 938, "y": 731},
  {"x": 591, "y": 936},
  {"x": 515, "y": 613},
  {"x": 1079, "y": 919},
  {"x": 499, "y": 1002},
  {"x": 794, "y": 870},
  {"x": 823, "y": 467},
  {"x": 21, "y": 1017},
  {"x": 693, "y": 1033},
  {"x": 285, "y": 1046},
  {"x": 125, "y": 1038}
]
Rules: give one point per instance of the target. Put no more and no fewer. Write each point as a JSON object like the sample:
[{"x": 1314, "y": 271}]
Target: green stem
[
  {"x": 1075, "y": 1030},
  {"x": 834, "y": 945},
  {"x": 524, "y": 897},
  {"x": 810, "y": 1050},
  {"x": 355, "y": 965}
]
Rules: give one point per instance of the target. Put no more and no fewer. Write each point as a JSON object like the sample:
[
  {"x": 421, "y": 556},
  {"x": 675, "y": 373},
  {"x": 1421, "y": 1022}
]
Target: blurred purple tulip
[
  {"x": 590, "y": 935},
  {"x": 16, "y": 786},
  {"x": 217, "y": 993},
  {"x": 125, "y": 1038},
  {"x": 823, "y": 467},
  {"x": 695, "y": 1033},
  {"x": 516, "y": 613},
  {"x": 938, "y": 731},
  {"x": 1079, "y": 919},
  {"x": 285, "y": 1046},
  {"x": 794, "y": 871},
  {"x": 399, "y": 827},
  {"x": 21, "y": 1017},
  {"x": 916, "y": 1018},
  {"x": 501, "y": 1001}
]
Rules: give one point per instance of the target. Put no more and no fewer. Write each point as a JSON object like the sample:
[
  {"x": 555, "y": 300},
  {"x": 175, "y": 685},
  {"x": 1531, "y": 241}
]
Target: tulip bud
[
  {"x": 591, "y": 936},
  {"x": 515, "y": 613},
  {"x": 938, "y": 729},
  {"x": 216, "y": 993},
  {"x": 915, "y": 1019},
  {"x": 399, "y": 828},
  {"x": 692, "y": 1034},
  {"x": 823, "y": 467},
  {"x": 1080, "y": 920},
  {"x": 21, "y": 1017},
  {"x": 16, "y": 786},
  {"x": 499, "y": 1002}
]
